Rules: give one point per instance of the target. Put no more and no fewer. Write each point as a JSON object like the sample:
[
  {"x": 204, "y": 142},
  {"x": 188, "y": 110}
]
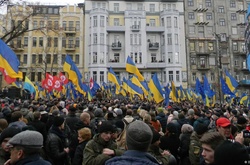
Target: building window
[
  {"x": 202, "y": 62},
  {"x": 77, "y": 25},
  {"x": 177, "y": 76},
  {"x": 201, "y": 47},
  {"x": 170, "y": 76},
  {"x": 95, "y": 21},
  {"x": 56, "y": 25},
  {"x": 32, "y": 76},
  {"x": 94, "y": 76},
  {"x": 116, "y": 22},
  {"x": 152, "y": 22},
  {"x": 55, "y": 59},
  {"x": 192, "y": 61},
  {"x": 170, "y": 57},
  {"x": 208, "y": 3},
  {"x": 169, "y": 39},
  {"x": 191, "y": 29},
  {"x": 233, "y": 16},
  {"x": 221, "y": 9},
  {"x": 39, "y": 76},
  {"x": 153, "y": 57},
  {"x": 176, "y": 39},
  {"x": 49, "y": 25},
  {"x": 34, "y": 42},
  {"x": 41, "y": 24},
  {"x": 117, "y": 57},
  {"x": 63, "y": 59},
  {"x": 55, "y": 42},
  {"x": 101, "y": 38},
  {"x": 194, "y": 77},
  {"x": 71, "y": 26},
  {"x": 63, "y": 42},
  {"x": 131, "y": 39},
  {"x": 175, "y": 22},
  {"x": 34, "y": 24},
  {"x": 25, "y": 41},
  {"x": 129, "y": 6},
  {"x": 101, "y": 76},
  {"x": 177, "y": 58},
  {"x": 116, "y": 7},
  {"x": 235, "y": 46},
  {"x": 222, "y": 22},
  {"x": 201, "y": 31},
  {"x": 210, "y": 46},
  {"x": 232, "y": 4},
  {"x": 48, "y": 58},
  {"x": 102, "y": 21},
  {"x": 40, "y": 59},
  {"x": 40, "y": 41},
  {"x": 25, "y": 59},
  {"x": 236, "y": 62},
  {"x": 95, "y": 38},
  {"x": 152, "y": 8},
  {"x": 94, "y": 57},
  {"x": 191, "y": 15},
  {"x": 49, "y": 40},
  {"x": 33, "y": 59},
  {"x": 192, "y": 46},
  {"x": 212, "y": 77},
  {"x": 77, "y": 42},
  {"x": 190, "y": 2},
  {"x": 234, "y": 30},
  {"x": 169, "y": 25},
  {"x": 209, "y": 16},
  {"x": 139, "y": 6}
]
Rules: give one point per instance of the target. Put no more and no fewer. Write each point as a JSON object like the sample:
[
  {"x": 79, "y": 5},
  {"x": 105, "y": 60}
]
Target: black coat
[
  {"x": 184, "y": 149},
  {"x": 170, "y": 142},
  {"x": 40, "y": 127},
  {"x": 78, "y": 157}
]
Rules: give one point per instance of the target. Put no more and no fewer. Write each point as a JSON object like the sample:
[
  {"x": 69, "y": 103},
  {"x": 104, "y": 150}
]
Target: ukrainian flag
[
  {"x": 29, "y": 86},
  {"x": 156, "y": 89},
  {"x": 74, "y": 75},
  {"x": 244, "y": 98},
  {"x": 9, "y": 64},
  {"x": 174, "y": 95},
  {"x": 131, "y": 68},
  {"x": 135, "y": 81},
  {"x": 132, "y": 88},
  {"x": 113, "y": 78},
  {"x": 231, "y": 82}
]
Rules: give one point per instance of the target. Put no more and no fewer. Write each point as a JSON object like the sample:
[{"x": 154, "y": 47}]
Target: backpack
[{"x": 121, "y": 139}]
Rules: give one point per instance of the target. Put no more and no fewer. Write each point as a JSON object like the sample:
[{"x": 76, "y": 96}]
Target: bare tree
[{"x": 3, "y": 2}]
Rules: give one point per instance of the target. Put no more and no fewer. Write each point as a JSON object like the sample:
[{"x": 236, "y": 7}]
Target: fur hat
[
  {"x": 138, "y": 136},
  {"x": 187, "y": 128},
  {"x": 30, "y": 139},
  {"x": 105, "y": 126},
  {"x": 58, "y": 121}
]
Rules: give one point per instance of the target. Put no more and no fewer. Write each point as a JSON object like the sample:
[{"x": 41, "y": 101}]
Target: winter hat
[
  {"x": 156, "y": 137},
  {"x": 190, "y": 112},
  {"x": 98, "y": 112},
  {"x": 138, "y": 136},
  {"x": 58, "y": 121},
  {"x": 105, "y": 126},
  {"x": 8, "y": 133},
  {"x": 171, "y": 127},
  {"x": 187, "y": 128},
  {"x": 118, "y": 111},
  {"x": 200, "y": 128},
  {"x": 234, "y": 112},
  {"x": 230, "y": 153},
  {"x": 30, "y": 139},
  {"x": 241, "y": 120}
]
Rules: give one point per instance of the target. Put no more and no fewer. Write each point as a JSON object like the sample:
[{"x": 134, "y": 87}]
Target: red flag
[
  {"x": 57, "y": 83},
  {"x": 63, "y": 78},
  {"x": 48, "y": 82},
  {"x": 7, "y": 78},
  {"x": 91, "y": 83}
]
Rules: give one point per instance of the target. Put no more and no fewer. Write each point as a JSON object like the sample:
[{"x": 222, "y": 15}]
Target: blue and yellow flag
[
  {"x": 9, "y": 64},
  {"x": 174, "y": 94},
  {"x": 28, "y": 85},
  {"x": 156, "y": 89},
  {"x": 132, "y": 88},
  {"x": 131, "y": 68},
  {"x": 243, "y": 99},
  {"x": 135, "y": 81},
  {"x": 225, "y": 89},
  {"x": 113, "y": 78},
  {"x": 74, "y": 75},
  {"x": 231, "y": 82}
]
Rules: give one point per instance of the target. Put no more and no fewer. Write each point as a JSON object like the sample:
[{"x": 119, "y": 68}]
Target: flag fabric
[
  {"x": 132, "y": 88},
  {"x": 9, "y": 64},
  {"x": 174, "y": 95},
  {"x": 48, "y": 82},
  {"x": 156, "y": 89},
  {"x": 57, "y": 83},
  {"x": 248, "y": 12},
  {"x": 135, "y": 81},
  {"x": 74, "y": 75},
  {"x": 225, "y": 89},
  {"x": 243, "y": 99},
  {"x": 63, "y": 78},
  {"x": 112, "y": 77},
  {"x": 231, "y": 82},
  {"x": 131, "y": 68},
  {"x": 167, "y": 92},
  {"x": 199, "y": 89},
  {"x": 29, "y": 86},
  {"x": 91, "y": 83}
]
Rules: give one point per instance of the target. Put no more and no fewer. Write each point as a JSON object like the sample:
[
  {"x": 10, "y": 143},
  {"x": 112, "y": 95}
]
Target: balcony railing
[
  {"x": 18, "y": 46},
  {"x": 153, "y": 46},
  {"x": 135, "y": 27},
  {"x": 116, "y": 46},
  {"x": 70, "y": 47},
  {"x": 69, "y": 29}
]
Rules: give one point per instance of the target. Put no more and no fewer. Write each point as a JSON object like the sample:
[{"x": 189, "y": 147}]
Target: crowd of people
[{"x": 122, "y": 131}]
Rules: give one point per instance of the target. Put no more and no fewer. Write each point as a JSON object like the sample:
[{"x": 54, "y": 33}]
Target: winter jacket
[
  {"x": 92, "y": 154},
  {"x": 32, "y": 160},
  {"x": 163, "y": 120},
  {"x": 78, "y": 157},
  {"x": 184, "y": 149},
  {"x": 156, "y": 152},
  {"x": 40, "y": 127},
  {"x": 195, "y": 149}
]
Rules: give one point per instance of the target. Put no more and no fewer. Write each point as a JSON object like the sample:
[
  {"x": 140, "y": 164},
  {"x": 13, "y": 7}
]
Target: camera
[{"x": 246, "y": 133}]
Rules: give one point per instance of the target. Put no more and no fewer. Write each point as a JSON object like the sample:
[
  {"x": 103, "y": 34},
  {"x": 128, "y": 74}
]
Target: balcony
[
  {"x": 116, "y": 46},
  {"x": 155, "y": 28},
  {"x": 115, "y": 64},
  {"x": 202, "y": 53},
  {"x": 69, "y": 30},
  {"x": 156, "y": 64},
  {"x": 70, "y": 47},
  {"x": 203, "y": 67},
  {"x": 115, "y": 28},
  {"x": 241, "y": 52},
  {"x": 135, "y": 28},
  {"x": 17, "y": 47},
  {"x": 153, "y": 46}
]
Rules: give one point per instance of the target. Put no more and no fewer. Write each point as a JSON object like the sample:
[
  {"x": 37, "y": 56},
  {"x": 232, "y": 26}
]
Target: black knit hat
[
  {"x": 241, "y": 120},
  {"x": 200, "y": 128},
  {"x": 58, "y": 121},
  {"x": 230, "y": 153},
  {"x": 105, "y": 126},
  {"x": 156, "y": 137},
  {"x": 8, "y": 133}
]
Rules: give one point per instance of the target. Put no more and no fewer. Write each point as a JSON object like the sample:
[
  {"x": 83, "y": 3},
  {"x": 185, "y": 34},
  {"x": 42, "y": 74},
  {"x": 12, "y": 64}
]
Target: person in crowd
[
  {"x": 138, "y": 139},
  {"x": 25, "y": 148},
  {"x": 241, "y": 123},
  {"x": 102, "y": 147},
  {"x": 3, "y": 124},
  {"x": 154, "y": 122},
  {"x": 97, "y": 120},
  {"x": 186, "y": 131},
  {"x": 56, "y": 145},
  {"x": 17, "y": 120},
  {"x": 209, "y": 142},
  {"x": 223, "y": 126},
  {"x": 84, "y": 135},
  {"x": 5, "y": 136},
  {"x": 26, "y": 112}
]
